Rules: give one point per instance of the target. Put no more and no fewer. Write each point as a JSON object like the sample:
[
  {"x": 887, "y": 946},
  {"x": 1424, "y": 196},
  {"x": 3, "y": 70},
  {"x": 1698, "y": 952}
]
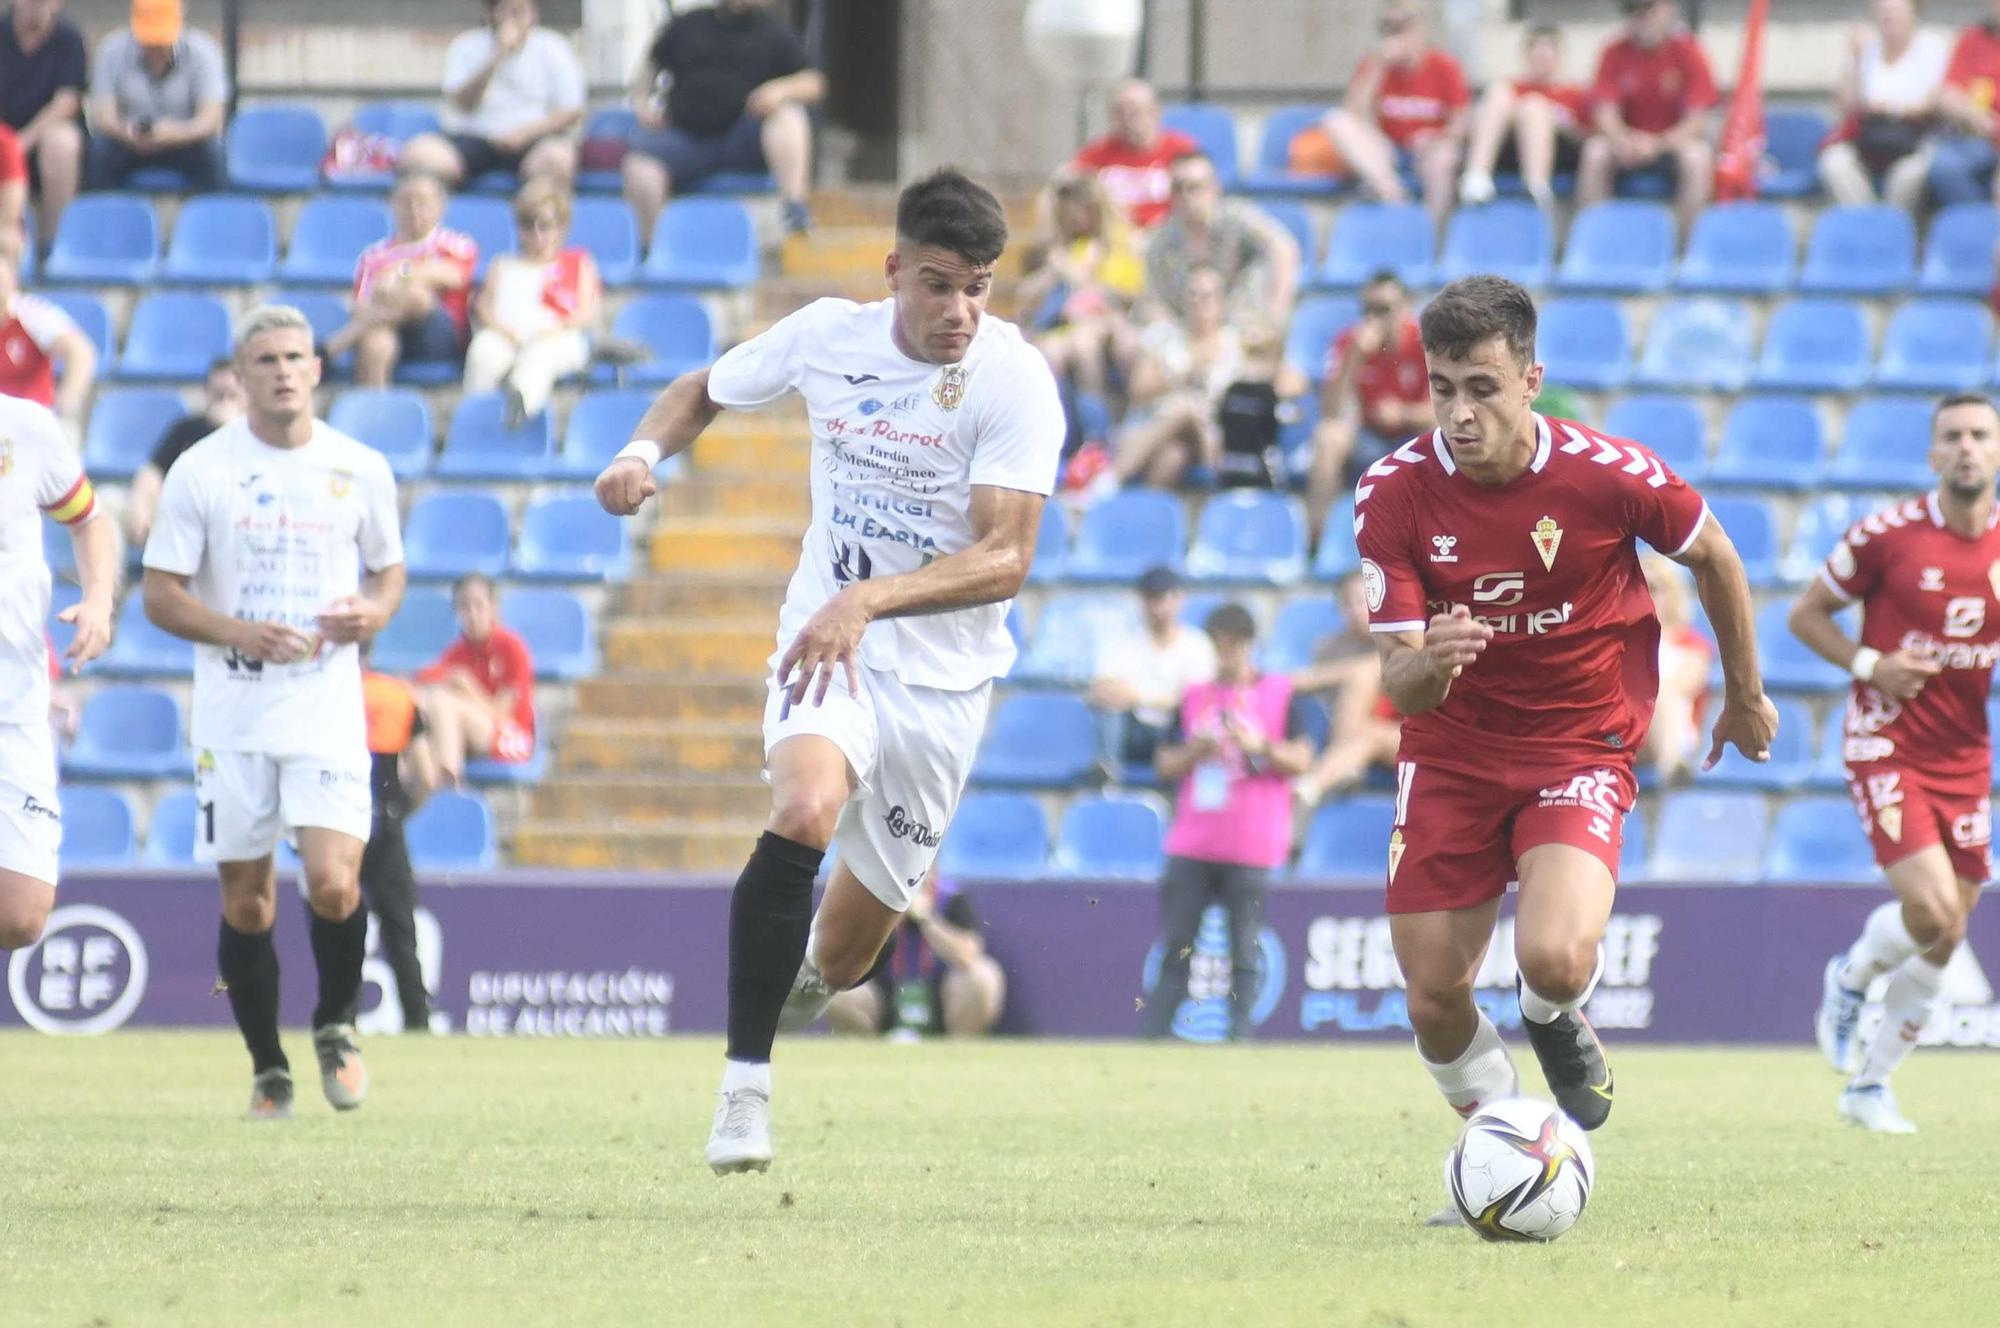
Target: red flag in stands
[{"x": 1741, "y": 151}]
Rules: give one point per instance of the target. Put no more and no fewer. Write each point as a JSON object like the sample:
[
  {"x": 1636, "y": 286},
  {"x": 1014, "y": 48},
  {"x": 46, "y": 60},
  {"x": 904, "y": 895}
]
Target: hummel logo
[
  {"x": 856, "y": 380},
  {"x": 1444, "y": 545}
]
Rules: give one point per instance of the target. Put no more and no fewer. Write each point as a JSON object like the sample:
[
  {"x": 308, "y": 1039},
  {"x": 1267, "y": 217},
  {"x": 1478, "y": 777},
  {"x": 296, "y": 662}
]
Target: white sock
[
  {"x": 1884, "y": 944},
  {"x": 1483, "y": 1073},
  {"x": 746, "y": 1074},
  {"x": 1542, "y": 1010},
  {"x": 1906, "y": 1007}
]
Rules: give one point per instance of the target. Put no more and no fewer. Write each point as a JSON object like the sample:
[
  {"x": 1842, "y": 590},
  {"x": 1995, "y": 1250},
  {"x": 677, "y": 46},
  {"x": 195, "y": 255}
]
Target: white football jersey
[
  {"x": 272, "y": 534},
  {"x": 897, "y": 446},
  {"x": 39, "y": 472}
]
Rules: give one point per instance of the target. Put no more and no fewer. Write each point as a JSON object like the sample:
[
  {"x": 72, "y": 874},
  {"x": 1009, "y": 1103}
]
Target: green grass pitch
[{"x": 1015, "y": 1183}]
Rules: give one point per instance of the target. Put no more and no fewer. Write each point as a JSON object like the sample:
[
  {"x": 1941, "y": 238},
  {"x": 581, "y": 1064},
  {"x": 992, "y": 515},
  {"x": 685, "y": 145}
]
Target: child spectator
[
  {"x": 479, "y": 698},
  {"x": 1548, "y": 120}
]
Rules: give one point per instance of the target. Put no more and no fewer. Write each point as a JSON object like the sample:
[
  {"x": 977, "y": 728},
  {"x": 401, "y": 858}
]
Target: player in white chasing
[
  {"x": 256, "y": 556},
  {"x": 39, "y": 472},
  {"x": 936, "y": 433}
]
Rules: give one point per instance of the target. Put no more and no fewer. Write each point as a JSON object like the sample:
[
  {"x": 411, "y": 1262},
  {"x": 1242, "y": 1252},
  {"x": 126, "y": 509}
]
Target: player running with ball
[
  {"x": 1517, "y": 635},
  {"x": 1926, "y": 573}
]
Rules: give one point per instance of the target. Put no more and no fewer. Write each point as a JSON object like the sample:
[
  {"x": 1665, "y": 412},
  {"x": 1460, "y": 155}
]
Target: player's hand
[
  {"x": 1453, "y": 640},
  {"x": 1751, "y": 723},
  {"x": 625, "y": 485},
  {"x": 510, "y": 35},
  {"x": 353, "y": 618},
  {"x": 830, "y": 640},
  {"x": 92, "y": 621},
  {"x": 274, "y": 643},
  {"x": 1902, "y": 674},
  {"x": 1368, "y": 337}
]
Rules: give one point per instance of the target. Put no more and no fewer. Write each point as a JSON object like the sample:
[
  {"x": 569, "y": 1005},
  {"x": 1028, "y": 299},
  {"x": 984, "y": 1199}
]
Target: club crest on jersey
[
  {"x": 950, "y": 390},
  {"x": 1443, "y": 546},
  {"x": 340, "y": 483},
  {"x": 1931, "y": 578},
  {"x": 1548, "y": 537},
  {"x": 1396, "y": 847}
]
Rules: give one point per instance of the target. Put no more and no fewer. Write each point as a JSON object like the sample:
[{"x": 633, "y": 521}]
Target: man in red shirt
[
  {"x": 1518, "y": 639},
  {"x": 35, "y": 338},
  {"x": 1375, "y": 394},
  {"x": 1651, "y": 102},
  {"x": 1919, "y": 758},
  {"x": 479, "y": 698},
  {"x": 1962, "y": 166},
  {"x": 1548, "y": 119},
  {"x": 13, "y": 189},
  {"x": 1404, "y": 110},
  {"x": 1132, "y": 160}
]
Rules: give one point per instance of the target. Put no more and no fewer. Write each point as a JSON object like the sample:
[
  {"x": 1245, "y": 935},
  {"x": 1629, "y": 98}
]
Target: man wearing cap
[
  {"x": 1142, "y": 674},
  {"x": 158, "y": 96}
]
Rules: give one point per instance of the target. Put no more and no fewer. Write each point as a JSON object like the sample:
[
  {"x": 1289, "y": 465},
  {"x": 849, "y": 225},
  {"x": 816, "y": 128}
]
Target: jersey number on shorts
[{"x": 207, "y": 822}]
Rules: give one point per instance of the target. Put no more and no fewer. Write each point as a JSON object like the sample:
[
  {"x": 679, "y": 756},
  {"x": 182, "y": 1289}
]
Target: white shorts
[
  {"x": 911, "y": 749},
  {"x": 30, "y": 811},
  {"x": 245, "y": 800}
]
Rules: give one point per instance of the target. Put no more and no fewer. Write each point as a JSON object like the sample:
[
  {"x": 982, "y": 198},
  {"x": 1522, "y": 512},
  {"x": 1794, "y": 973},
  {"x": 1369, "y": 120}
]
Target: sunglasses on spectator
[
  {"x": 1192, "y": 185},
  {"x": 540, "y": 223}
]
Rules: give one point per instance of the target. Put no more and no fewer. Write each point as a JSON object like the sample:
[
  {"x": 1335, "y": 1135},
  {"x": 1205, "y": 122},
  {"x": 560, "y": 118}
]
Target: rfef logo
[{"x": 86, "y": 976}]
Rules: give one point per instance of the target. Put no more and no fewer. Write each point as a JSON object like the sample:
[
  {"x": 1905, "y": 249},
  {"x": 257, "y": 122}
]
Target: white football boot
[
  {"x": 1873, "y": 1108},
  {"x": 740, "y": 1139},
  {"x": 1838, "y": 1016}
]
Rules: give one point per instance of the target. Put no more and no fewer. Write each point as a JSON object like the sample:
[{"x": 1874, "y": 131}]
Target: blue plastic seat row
[
  {"x": 1005, "y": 836},
  {"x": 1812, "y": 344},
  {"x": 563, "y": 537},
  {"x": 1780, "y": 442}
]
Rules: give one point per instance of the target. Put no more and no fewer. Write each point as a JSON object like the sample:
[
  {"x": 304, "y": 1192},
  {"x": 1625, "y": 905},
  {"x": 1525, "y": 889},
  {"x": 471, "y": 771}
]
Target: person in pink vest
[{"x": 1232, "y": 753}]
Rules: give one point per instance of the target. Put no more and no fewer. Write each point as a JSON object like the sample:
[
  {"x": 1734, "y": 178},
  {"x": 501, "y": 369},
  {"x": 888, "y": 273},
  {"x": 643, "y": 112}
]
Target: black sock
[
  {"x": 769, "y": 915},
  {"x": 338, "y": 948},
  {"x": 248, "y": 963}
]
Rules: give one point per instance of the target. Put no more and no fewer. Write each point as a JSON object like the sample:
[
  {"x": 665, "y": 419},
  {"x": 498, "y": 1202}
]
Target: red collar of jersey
[{"x": 1543, "y": 444}]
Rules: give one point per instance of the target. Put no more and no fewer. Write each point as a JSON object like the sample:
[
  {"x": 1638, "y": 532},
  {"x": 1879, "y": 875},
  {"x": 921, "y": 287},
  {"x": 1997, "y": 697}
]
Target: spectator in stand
[
  {"x": 36, "y": 339},
  {"x": 724, "y": 88},
  {"x": 512, "y": 92},
  {"x": 1141, "y": 676},
  {"x": 412, "y": 290},
  {"x": 933, "y": 977},
  {"x": 1257, "y": 259},
  {"x": 1533, "y": 126},
  {"x": 159, "y": 97},
  {"x": 1080, "y": 294},
  {"x": 1376, "y": 393},
  {"x": 402, "y": 774},
  {"x": 1674, "y": 742},
  {"x": 1133, "y": 161},
  {"x": 536, "y": 308},
  {"x": 1962, "y": 165},
  {"x": 1183, "y": 369},
  {"x": 1651, "y": 102},
  {"x": 43, "y": 72},
  {"x": 1404, "y": 110},
  {"x": 222, "y": 402},
  {"x": 1888, "y": 102},
  {"x": 479, "y": 698},
  {"x": 1233, "y": 750},
  {"x": 13, "y": 190},
  {"x": 1363, "y": 727}
]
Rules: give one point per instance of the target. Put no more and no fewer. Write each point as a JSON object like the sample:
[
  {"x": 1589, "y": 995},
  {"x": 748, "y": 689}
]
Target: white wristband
[
  {"x": 642, "y": 449},
  {"x": 1863, "y": 666}
]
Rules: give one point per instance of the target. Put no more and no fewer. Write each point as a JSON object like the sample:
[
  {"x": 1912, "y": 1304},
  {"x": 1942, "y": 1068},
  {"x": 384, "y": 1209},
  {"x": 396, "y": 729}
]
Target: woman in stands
[
  {"x": 1674, "y": 741},
  {"x": 1081, "y": 294},
  {"x": 536, "y": 309}
]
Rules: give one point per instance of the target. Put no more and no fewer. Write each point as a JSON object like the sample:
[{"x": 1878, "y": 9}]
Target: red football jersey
[
  {"x": 1975, "y": 65},
  {"x": 1136, "y": 178},
  {"x": 1928, "y": 590},
  {"x": 1397, "y": 372},
  {"x": 1654, "y": 88},
  {"x": 1413, "y": 100},
  {"x": 1548, "y": 561},
  {"x": 498, "y": 663},
  {"x": 1572, "y": 102}
]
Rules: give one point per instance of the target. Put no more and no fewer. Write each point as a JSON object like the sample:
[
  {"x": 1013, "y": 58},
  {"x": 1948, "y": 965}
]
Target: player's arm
[
  {"x": 669, "y": 426},
  {"x": 360, "y": 617},
  {"x": 1748, "y": 718},
  {"x": 172, "y": 607},
  {"x": 1418, "y": 668},
  {"x": 1900, "y": 674}
]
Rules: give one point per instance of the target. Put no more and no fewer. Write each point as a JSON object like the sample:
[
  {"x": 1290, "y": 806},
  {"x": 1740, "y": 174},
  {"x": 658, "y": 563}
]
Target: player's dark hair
[
  {"x": 1472, "y": 310},
  {"x": 1231, "y": 622},
  {"x": 1963, "y": 399},
  {"x": 1384, "y": 276},
  {"x": 945, "y": 210}
]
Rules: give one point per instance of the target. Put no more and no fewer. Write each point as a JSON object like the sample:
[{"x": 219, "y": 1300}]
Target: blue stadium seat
[
  {"x": 453, "y": 831},
  {"x": 677, "y": 329},
  {"x": 1298, "y": 222},
  {"x": 328, "y": 237},
  {"x": 1127, "y": 533},
  {"x": 1821, "y": 522},
  {"x": 327, "y": 313},
  {"x": 1634, "y": 847},
  {"x": 1038, "y": 739},
  {"x": 1817, "y": 840},
  {"x": 1752, "y": 524},
  {"x": 106, "y": 239},
  {"x": 1816, "y": 345},
  {"x": 1861, "y": 251},
  {"x": 141, "y": 650},
  {"x": 1584, "y": 343},
  {"x": 556, "y": 627},
  {"x": 129, "y": 733},
  {"x": 1770, "y": 442},
  {"x": 170, "y": 832},
  {"x": 1273, "y": 174},
  {"x": 1700, "y": 343},
  {"x": 1315, "y": 323},
  {"x": 1003, "y": 836},
  {"x": 1793, "y": 136},
  {"x": 1671, "y": 426},
  {"x": 97, "y": 828},
  {"x": 568, "y": 537},
  {"x": 479, "y": 445},
  {"x": 423, "y": 626},
  {"x": 397, "y": 121},
  {"x": 488, "y": 221},
  {"x": 1936, "y": 346},
  {"x": 1114, "y": 837},
  {"x": 1213, "y": 129},
  {"x": 1791, "y": 760},
  {"x": 448, "y": 534},
  {"x": 92, "y": 318},
  {"x": 1958, "y": 255},
  {"x": 1829, "y": 772},
  {"x": 1302, "y": 623},
  {"x": 702, "y": 242},
  {"x": 604, "y": 226},
  {"x": 1349, "y": 838},
  {"x": 222, "y": 240},
  {"x": 62, "y": 595},
  {"x": 1885, "y": 446},
  {"x": 1739, "y": 247},
  {"x": 1510, "y": 237},
  {"x": 1250, "y": 535},
  {"x": 607, "y": 124},
  {"x": 1624, "y": 246},
  {"x": 1051, "y": 545},
  {"x": 598, "y": 428},
  {"x": 175, "y": 336},
  {"x": 395, "y": 421},
  {"x": 58, "y": 549},
  {"x": 1789, "y": 666},
  {"x": 1710, "y": 836},
  {"x": 273, "y": 149},
  {"x": 126, "y": 424},
  {"x": 1073, "y": 627},
  {"x": 1368, "y": 237}
]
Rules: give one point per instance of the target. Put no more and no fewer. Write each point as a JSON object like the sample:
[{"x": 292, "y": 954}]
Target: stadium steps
[
  {"x": 758, "y": 453},
  {"x": 726, "y": 545},
  {"x": 649, "y": 800},
  {"x": 629, "y": 694},
  {"x": 681, "y": 746},
  {"x": 705, "y": 496},
  {"x": 668, "y": 645},
  {"x": 709, "y": 847},
  {"x": 725, "y": 595}
]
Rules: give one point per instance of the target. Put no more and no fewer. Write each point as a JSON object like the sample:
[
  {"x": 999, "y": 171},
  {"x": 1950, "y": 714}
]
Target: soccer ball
[{"x": 1521, "y": 1170}]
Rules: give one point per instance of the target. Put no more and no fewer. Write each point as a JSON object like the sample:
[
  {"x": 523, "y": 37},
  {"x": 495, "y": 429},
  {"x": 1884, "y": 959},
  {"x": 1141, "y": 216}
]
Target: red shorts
[
  {"x": 512, "y": 743},
  {"x": 1458, "y": 836},
  {"x": 1903, "y": 811}
]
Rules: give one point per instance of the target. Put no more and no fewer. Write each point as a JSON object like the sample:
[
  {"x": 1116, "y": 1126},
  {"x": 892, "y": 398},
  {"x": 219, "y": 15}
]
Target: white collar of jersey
[
  {"x": 1937, "y": 513},
  {"x": 1542, "y": 445}
]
